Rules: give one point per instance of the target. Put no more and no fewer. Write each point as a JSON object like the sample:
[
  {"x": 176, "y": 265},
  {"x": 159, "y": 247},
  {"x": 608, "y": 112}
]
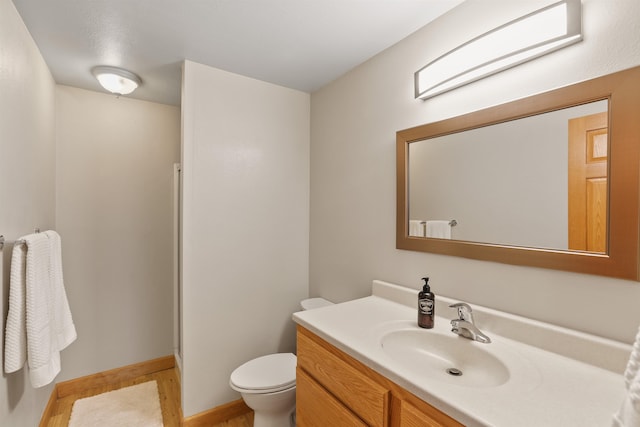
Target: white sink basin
[
  {"x": 446, "y": 357},
  {"x": 440, "y": 355}
]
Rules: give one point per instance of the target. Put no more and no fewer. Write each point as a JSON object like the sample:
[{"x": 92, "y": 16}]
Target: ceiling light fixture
[
  {"x": 538, "y": 33},
  {"x": 116, "y": 80}
]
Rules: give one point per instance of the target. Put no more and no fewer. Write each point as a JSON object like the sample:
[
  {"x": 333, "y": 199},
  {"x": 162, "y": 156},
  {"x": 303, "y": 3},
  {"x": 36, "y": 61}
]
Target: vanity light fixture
[
  {"x": 116, "y": 80},
  {"x": 538, "y": 33}
]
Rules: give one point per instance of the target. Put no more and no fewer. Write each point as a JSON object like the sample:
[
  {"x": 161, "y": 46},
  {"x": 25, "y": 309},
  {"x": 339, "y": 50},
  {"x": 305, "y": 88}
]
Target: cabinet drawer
[
  {"x": 316, "y": 407},
  {"x": 365, "y": 397}
]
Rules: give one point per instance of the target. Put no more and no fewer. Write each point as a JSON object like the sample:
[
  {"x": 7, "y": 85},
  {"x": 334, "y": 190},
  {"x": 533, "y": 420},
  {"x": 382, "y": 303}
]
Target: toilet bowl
[{"x": 267, "y": 384}]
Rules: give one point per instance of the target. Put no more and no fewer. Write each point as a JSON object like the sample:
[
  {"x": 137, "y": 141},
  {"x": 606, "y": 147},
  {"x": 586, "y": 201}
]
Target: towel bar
[
  {"x": 2, "y": 242},
  {"x": 452, "y": 223},
  {"x": 17, "y": 242}
]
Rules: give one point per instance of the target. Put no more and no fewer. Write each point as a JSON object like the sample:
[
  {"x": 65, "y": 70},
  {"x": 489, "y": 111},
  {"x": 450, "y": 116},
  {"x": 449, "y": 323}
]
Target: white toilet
[{"x": 268, "y": 383}]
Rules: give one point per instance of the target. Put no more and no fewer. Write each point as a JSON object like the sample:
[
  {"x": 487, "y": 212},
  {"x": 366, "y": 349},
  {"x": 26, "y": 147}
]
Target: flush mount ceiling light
[
  {"x": 538, "y": 33},
  {"x": 116, "y": 80}
]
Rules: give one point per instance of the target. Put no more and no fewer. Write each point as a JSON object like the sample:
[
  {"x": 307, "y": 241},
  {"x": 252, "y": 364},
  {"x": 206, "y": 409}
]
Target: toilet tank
[{"x": 311, "y": 303}]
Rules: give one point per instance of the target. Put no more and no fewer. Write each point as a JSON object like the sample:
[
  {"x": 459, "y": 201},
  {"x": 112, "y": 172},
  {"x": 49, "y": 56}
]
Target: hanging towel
[
  {"x": 39, "y": 323},
  {"x": 416, "y": 228},
  {"x": 65, "y": 329},
  {"x": 439, "y": 229},
  {"x": 15, "y": 342},
  {"x": 629, "y": 413}
]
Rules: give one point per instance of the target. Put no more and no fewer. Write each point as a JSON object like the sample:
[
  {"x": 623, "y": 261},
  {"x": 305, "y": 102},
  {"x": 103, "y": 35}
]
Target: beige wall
[
  {"x": 27, "y": 181},
  {"x": 245, "y": 158},
  {"x": 354, "y": 121},
  {"x": 114, "y": 201}
]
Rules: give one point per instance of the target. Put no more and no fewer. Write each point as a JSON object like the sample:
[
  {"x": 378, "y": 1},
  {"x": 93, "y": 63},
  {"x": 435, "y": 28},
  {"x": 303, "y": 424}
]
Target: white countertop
[{"x": 562, "y": 378}]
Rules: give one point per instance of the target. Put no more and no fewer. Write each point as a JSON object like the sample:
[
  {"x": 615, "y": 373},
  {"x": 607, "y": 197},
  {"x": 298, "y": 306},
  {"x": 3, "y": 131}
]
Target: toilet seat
[{"x": 266, "y": 374}]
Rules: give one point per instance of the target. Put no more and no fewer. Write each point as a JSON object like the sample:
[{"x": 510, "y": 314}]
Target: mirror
[
  {"x": 531, "y": 207},
  {"x": 548, "y": 181}
]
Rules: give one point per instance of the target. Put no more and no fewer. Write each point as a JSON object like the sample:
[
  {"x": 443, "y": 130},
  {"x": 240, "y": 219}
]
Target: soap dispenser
[{"x": 426, "y": 306}]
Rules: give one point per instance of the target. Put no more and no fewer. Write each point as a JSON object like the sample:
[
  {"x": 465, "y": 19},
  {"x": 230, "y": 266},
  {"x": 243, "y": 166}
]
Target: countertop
[{"x": 563, "y": 378}]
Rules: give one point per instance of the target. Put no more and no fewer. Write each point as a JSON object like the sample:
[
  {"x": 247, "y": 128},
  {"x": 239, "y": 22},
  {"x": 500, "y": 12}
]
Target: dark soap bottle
[{"x": 426, "y": 306}]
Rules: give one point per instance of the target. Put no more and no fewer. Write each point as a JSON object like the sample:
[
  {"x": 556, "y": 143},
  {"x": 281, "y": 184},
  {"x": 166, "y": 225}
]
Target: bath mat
[{"x": 135, "y": 406}]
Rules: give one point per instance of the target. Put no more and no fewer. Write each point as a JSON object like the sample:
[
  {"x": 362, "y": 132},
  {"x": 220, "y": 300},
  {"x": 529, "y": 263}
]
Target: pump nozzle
[{"x": 426, "y": 287}]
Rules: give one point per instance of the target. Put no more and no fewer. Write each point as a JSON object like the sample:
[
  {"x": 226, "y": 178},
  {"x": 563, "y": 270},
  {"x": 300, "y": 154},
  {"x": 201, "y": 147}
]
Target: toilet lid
[
  {"x": 267, "y": 373},
  {"x": 312, "y": 303}
]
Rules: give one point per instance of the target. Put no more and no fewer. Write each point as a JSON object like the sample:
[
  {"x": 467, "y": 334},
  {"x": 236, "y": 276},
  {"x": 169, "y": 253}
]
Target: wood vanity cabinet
[{"x": 333, "y": 388}]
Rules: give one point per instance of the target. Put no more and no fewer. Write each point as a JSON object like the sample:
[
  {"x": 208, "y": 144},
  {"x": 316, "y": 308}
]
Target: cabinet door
[
  {"x": 316, "y": 407},
  {"x": 410, "y": 416},
  {"x": 364, "y": 396}
]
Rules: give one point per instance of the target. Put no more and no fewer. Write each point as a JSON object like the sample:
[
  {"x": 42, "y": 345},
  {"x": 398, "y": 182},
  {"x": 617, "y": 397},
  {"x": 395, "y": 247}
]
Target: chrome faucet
[{"x": 464, "y": 324}]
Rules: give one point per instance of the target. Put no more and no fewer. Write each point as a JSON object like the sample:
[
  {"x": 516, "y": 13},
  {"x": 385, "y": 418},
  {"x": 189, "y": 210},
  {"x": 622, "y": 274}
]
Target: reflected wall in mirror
[
  {"x": 507, "y": 183},
  {"x": 548, "y": 181}
]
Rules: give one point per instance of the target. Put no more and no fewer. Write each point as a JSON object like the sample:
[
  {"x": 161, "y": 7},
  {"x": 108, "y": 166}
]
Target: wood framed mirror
[{"x": 513, "y": 229}]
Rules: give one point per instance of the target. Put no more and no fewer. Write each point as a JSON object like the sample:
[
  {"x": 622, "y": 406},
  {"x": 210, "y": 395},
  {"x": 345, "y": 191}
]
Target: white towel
[
  {"x": 629, "y": 413},
  {"x": 15, "y": 342},
  {"x": 416, "y": 228},
  {"x": 65, "y": 329},
  {"x": 439, "y": 229},
  {"x": 39, "y": 323}
]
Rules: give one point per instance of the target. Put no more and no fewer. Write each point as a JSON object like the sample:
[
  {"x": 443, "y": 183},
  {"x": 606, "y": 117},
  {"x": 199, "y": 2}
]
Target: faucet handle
[{"x": 464, "y": 311}]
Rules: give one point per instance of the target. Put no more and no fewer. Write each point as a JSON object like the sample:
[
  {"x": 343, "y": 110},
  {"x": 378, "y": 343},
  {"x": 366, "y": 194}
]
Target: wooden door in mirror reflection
[{"x": 588, "y": 141}]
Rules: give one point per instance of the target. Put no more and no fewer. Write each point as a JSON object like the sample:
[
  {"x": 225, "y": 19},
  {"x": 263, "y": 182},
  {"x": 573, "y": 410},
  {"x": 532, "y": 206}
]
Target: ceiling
[{"x": 300, "y": 44}]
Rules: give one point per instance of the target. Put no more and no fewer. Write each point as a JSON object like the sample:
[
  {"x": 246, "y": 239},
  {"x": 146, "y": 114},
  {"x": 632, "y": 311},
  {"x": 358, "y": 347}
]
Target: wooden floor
[
  {"x": 168, "y": 389},
  {"x": 242, "y": 421}
]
